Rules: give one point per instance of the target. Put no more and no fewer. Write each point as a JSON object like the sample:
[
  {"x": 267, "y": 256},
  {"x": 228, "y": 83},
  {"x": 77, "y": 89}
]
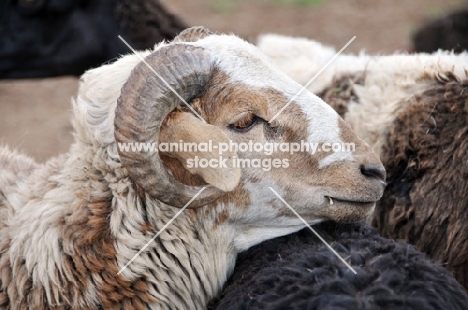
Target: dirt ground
[{"x": 35, "y": 114}]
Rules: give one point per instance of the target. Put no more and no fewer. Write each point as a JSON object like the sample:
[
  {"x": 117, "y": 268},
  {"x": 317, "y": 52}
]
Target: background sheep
[
  {"x": 48, "y": 38},
  {"x": 299, "y": 272},
  {"x": 413, "y": 110},
  {"x": 72, "y": 224},
  {"x": 447, "y": 33}
]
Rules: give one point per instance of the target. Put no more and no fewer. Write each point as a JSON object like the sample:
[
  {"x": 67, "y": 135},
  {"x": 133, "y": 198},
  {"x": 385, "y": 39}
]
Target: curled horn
[{"x": 144, "y": 103}]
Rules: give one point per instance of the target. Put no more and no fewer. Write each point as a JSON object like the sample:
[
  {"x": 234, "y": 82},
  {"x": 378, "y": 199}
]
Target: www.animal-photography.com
[{"x": 263, "y": 155}]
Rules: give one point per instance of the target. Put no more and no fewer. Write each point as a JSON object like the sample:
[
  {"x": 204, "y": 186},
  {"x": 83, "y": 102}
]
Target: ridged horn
[
  {"x": 192, "y": 34},
  {"x": 144, "y": 103}
]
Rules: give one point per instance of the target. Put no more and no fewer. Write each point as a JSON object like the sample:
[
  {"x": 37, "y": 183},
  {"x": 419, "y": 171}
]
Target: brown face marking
[
  {"x": 224, "y": 103},
  {"x": 290, "y": 126},
  {"x": 226, "y": 100}
]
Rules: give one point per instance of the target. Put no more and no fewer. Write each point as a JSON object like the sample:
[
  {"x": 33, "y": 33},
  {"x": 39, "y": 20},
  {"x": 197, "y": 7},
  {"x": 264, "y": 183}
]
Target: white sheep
[
  {"x": 413, "y": 110},
  {"x": 69, "y": 228}
]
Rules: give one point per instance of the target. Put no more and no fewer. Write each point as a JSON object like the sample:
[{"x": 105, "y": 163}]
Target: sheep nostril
[{"x": 374, "y": 171}]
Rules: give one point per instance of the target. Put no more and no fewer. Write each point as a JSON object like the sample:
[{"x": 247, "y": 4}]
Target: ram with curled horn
[{"x": 102, "y": 227}]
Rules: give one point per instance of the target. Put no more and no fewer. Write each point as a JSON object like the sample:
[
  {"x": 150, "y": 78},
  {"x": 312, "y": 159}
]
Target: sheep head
[{"x": 236, "y": 89}]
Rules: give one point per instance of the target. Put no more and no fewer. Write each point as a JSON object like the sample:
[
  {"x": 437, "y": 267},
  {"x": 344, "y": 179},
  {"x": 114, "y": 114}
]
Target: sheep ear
[{"x": 187, "y": 127}]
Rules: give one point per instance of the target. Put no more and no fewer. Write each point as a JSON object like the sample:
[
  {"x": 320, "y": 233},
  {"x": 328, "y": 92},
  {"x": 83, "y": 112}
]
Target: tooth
[{"x": 331, "y": 200}]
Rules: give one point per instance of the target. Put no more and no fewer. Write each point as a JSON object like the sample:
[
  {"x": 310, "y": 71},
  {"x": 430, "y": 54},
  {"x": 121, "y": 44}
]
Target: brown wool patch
[
  {"x": 341, "y": 92},
  {"x": 426, "y": 156},
  {"x": 19, "y": 292},
  {"x": 94, "y": 257}
]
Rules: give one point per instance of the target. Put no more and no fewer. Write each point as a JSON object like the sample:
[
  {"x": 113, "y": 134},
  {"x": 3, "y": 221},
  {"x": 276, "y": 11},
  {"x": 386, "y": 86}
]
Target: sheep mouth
[{"x": 353, "y": 203}]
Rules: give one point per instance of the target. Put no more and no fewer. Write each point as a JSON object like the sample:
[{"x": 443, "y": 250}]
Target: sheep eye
[{"x": 245, "y": 124}]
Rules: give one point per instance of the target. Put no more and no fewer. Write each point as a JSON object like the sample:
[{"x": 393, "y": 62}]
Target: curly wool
[
  {"x": 299, "y": 272},
  {"x": 426, "y": 157}
]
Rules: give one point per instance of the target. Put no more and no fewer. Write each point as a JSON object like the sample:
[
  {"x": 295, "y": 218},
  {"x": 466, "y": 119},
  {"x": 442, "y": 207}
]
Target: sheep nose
[{"x": 374, "y": 171}]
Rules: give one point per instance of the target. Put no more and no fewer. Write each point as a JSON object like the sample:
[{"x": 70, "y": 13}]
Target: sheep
[
  {"x": 50, "y": 38},
  {"x": 299, "y": 272},
  {"x": 80, "y": 230},
  {"x": 413, "y": 111},
  {"x": 447, "y": 33}
]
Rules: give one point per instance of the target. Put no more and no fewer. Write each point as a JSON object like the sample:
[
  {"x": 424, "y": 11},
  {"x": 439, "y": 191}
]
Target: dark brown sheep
[
  {"x": 448, "y": 33},
  {"x": 426, "y": 156},
  {"x": 299, "y": 272},
  {"x": 67, "y": 37}
]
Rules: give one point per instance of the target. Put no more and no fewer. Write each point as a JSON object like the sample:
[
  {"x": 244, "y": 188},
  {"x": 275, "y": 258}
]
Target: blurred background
[
  {"x": 379, "y": 25},
  {"x": 35, "y": 112}
]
